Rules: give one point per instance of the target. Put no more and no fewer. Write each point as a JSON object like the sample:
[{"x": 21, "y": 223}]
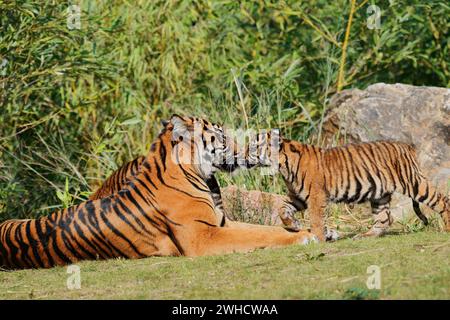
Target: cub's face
[
  {"x": 263, "y": 149},
  {"x": 203, "y": 144}
]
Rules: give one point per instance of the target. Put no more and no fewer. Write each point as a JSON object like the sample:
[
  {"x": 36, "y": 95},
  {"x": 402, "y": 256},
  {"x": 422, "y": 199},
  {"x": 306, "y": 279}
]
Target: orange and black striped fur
[
  {"x": 120, "y": 178},
  {"x": 165, "y": 210},
  {"x": 356, "y": 173}
]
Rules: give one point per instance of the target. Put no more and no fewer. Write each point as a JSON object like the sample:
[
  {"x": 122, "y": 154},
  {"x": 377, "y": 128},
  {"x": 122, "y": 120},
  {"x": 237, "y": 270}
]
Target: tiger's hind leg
[
  {"x": 382, "y": 216},
  {"x": 419, "y": 212}
]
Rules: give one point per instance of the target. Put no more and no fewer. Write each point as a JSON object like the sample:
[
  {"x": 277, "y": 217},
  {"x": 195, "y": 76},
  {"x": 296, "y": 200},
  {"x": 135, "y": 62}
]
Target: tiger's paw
[
  {"x": 331, "y": 235},
  {"x": 308, "y": 238}
]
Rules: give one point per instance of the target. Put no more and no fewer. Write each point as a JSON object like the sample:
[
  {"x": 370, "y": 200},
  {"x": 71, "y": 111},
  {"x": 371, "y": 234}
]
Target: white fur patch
[{"x": 308, "y": 240}]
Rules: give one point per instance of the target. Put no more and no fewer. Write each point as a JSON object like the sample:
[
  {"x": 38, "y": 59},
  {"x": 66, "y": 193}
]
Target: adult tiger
[
  {"x": 354, "y": 173},
  {"x": 165, "y": 210}
]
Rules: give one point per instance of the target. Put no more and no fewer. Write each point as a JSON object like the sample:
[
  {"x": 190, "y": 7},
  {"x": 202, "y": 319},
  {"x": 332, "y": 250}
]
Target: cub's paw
[
  {"x": 293, "y": 225},
  {"x": 331, "y": 235},
  {"x": 289, "y": 220}
]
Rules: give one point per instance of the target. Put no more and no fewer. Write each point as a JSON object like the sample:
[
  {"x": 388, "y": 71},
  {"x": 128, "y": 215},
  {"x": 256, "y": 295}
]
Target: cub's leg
[
  {"x": 316, "y": 205},
  {"x": 427, "y": 194},
  {"x": 382, "y": 216},
  {"x": 287, "y": 213}
]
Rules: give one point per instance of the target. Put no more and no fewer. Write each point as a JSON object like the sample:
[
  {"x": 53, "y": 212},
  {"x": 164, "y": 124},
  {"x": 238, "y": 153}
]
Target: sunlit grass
[{"x": 412, "y": 266}]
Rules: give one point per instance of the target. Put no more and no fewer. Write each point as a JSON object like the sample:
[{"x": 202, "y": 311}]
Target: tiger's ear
[
  {"x": 179, "y": 125},
  {"x": 164, "y": 123}
]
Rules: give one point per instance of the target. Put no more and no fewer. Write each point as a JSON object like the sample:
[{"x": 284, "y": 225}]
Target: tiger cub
[{"x": 354, "y": 173}]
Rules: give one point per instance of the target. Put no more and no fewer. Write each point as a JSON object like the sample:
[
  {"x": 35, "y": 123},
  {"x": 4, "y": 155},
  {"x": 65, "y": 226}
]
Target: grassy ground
[{"x": 413, "y": 266}]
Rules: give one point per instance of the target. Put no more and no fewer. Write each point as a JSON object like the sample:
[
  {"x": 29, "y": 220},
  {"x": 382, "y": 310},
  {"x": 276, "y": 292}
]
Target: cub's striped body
[
  {"x": 164, "y": 210},
  {"x": 356, "y": 173}
]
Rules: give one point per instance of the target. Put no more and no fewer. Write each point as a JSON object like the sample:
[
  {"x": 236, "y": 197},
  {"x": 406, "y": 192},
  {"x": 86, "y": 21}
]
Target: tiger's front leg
[
  {"x": 202, "y": 239},
  {"x": 292, "y": 223}
]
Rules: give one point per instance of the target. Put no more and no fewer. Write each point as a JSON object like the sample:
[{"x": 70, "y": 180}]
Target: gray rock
[
  {"x": 252, "y": 206},
  {"x": 416, "y": 115}
]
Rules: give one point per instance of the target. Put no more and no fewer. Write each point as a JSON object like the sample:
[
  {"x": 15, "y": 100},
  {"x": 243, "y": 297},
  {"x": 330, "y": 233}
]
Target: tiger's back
[
  {"x": 118, "y": 179},
  {"x": 367, "y": 171}
]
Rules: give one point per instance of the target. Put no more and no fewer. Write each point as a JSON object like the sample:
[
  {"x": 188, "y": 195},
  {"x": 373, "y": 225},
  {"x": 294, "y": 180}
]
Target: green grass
[{"x": 413, "y": 266}]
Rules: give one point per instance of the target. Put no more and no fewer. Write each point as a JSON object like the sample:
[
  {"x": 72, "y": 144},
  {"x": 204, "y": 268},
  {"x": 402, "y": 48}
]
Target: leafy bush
[{"x": 76, "y": 103}]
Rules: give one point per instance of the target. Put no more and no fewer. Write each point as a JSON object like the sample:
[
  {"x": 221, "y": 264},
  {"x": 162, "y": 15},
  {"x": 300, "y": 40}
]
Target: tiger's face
[{"x": 203, "y": 144}]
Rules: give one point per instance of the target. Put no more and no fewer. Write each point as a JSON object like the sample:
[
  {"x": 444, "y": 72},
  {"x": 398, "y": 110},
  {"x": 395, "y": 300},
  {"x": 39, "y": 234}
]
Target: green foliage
[
  {"x": 75, "y": 104},
  {"x": 64, "y": 196}
]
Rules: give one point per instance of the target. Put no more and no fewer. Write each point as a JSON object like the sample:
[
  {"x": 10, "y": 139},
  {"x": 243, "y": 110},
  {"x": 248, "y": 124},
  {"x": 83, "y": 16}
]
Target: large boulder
[
  {"x": 416, "y": 115},
  {"x": 252, "y": 206}
]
